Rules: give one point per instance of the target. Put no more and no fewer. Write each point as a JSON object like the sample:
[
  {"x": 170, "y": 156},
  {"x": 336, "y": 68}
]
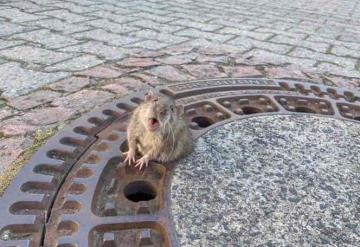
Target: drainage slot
[
  {"x": 250, "y": 110},
  {"x": 139, "y": 191},
  {"x": 202, "y": 121},
  {"x": 304, "y": 109}
]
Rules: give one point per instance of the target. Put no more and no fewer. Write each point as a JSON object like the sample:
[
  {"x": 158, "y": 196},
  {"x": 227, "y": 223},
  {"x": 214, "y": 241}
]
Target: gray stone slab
[
  {"x": 15, "y": 80},
  {"x": 75, "y": 64},
  {"x": 30, "y": 54},
  {"x": 271, "y": 181},
  {"x": 46, "y": 38}
]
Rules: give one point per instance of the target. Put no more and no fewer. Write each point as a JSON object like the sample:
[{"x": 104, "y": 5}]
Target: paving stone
[
  {"x": 337, "y": 70},
  {"x": 166, "y": 38},
  {"x": 110, "y": 38},
  {"x": 101, "y": 72},
  {"x": 146, "y": 53},
  {"x": 119, "y": 18},
  {"x": 75, "y": 64},
  {"x": 10, "y": 43},
  {"x": 149, "y": 44},
  {"x": 212, "y": 59},
  {"x": 52, "y": 40},
  {"x": 197, "y": 25},
  {"x": 112, "y": 26},
  {"x": 115, "y": 88},
  {"x": 149, "y": 79},
  {"x": 279, "y": 72},
  {"x": 156, "y": 18},
  {"x": 47, "y": 116},
  {"x": 75, "y": 8},
  {"x": 83, "y": 100},
  {"x": 125, "y": 85},
  {"x": 241, "y": 71},
  {"x": 178, "y": 59},
  {"x": 138, "y": 62},
  {"x": 273, "y": 58},
  {"x": 213, "y": 48},
  {"x": 34, "y": 120},
  {"x": 204, "y": 71},
  {"x": 343, "y": 51},
  {"x": 348, "y": 63},
  {"x": 71, "y": 84},
  {"x": 8, "y": 28},
  {"x": 169, "y": 73},
  {"x": 30, "y": 54},
  {"x": 28, "y": 7},
  {"x": 16, "y": 15},
  {"x": 352, "y": 84},
  {"x": 16, "y": 128},
  {"x": 198, "y": 18},
  {"x": 281, "y": 33},
  {"x": 15, "y": 80},
  {"x": 165, "y": 28},
  {"x": 350, "y": 45},
  {"x": 255, "y": 35},
  {"x": 65, "y": 15},
  {"x": 316, "y": 46},
  {"x": 10, "y": 149},
  {"x": 193, "y": 33},
  {"x": 97, "y": 48},
  {"x": 6, "y": 112},
  {"x": 247, "y": 43},
  {"x": 157, "y": 11},
  {"x": 59, "y": 25},
  {"x": 33, "y": 99}
]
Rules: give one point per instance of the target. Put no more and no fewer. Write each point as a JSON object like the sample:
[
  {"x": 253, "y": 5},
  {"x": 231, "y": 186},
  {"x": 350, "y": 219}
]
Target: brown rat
[{"x": 157, "y": 131}]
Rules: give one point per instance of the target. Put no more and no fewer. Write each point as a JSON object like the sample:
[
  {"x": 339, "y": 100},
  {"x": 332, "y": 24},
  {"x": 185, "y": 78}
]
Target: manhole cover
[{"x": 76, "y": 191}]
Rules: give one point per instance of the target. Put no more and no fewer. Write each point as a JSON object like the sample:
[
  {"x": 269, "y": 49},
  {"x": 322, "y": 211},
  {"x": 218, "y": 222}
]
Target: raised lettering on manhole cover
[{"x": 76, "y": 191}]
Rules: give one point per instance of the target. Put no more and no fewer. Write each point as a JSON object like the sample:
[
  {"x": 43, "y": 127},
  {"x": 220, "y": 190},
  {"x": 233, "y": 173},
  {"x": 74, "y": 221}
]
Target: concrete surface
[{"x": 271, "y": 181}]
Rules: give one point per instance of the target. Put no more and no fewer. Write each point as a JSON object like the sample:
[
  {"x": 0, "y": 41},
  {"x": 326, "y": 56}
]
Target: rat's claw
[
  {"x": 129, "y": 157},
  {"x": 141, "y": 162}
]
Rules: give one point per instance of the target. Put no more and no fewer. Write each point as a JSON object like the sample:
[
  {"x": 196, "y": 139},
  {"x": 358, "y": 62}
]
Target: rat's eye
[{"x": 172, "y": 108}]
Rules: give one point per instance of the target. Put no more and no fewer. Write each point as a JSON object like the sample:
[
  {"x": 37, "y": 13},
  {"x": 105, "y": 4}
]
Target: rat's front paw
[
  {"x": 130, "y": 156},
  {"x": 143, "y": 161}
]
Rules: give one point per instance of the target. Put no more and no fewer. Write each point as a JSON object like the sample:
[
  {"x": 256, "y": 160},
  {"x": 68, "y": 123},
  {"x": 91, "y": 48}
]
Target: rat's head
[{"x": 160, "y": 112}]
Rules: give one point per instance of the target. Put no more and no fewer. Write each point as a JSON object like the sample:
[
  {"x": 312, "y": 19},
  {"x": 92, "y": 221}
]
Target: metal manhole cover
[{"x": 76, "y": 191}]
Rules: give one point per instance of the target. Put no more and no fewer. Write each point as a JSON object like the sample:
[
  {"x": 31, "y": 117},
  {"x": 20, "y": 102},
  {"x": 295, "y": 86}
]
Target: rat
[{"x": 157, "y": 131}]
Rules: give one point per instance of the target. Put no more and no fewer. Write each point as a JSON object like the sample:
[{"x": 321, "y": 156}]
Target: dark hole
[
  {"x": 357, "y": 118},
  {"x": 250, "y": 110},
  {"x": 139, "y": 191},
  {"x": 137, "y": 100},
  {"x": 202, "y": 121},
  {"x": 304, "y": 109},
  {"x": 124, "y": 146}
]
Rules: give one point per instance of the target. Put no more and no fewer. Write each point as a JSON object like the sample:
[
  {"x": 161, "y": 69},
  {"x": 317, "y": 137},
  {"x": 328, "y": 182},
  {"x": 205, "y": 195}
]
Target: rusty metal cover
[{"x": 75, "y": 191}]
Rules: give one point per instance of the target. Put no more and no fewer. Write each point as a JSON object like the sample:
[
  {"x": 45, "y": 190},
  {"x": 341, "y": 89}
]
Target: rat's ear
[
  {"x": 150, "y": 95},
  {"x": 180, "y": 110}
]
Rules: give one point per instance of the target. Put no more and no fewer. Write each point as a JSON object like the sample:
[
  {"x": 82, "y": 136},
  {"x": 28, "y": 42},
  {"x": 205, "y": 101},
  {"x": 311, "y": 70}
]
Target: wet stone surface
[{"x": 271, "y": 181}]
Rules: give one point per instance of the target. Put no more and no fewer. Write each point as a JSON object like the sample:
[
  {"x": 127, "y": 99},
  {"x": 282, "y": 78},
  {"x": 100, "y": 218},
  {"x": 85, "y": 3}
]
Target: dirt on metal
[{"x": 76, "y": 190}]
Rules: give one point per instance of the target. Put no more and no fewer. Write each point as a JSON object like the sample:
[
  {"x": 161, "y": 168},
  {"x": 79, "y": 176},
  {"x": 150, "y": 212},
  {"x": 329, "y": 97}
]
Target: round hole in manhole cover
[
  {"x": 76, "y": 191},
  {"x": 304, "y": 109},
  {"x": 202, "y": 121},
  {"x": 139, "y": 191},
  {"x": 250, "y": 110}
]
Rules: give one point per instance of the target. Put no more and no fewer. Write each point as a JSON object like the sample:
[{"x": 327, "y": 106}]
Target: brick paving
[{"x": 59, "y": 59}]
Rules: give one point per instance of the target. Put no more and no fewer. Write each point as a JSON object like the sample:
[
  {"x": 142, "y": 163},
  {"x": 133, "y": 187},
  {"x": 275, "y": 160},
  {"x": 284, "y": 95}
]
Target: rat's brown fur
[{"x": 169, "y": 142}]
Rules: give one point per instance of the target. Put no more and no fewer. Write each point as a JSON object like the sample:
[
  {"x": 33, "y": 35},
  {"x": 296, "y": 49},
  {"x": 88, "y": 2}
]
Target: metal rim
[{"x": 65, "y": 196}]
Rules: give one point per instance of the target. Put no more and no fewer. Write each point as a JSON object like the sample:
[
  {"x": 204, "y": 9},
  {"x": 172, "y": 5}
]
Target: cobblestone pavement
[{"x": 59, "y": 59}]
